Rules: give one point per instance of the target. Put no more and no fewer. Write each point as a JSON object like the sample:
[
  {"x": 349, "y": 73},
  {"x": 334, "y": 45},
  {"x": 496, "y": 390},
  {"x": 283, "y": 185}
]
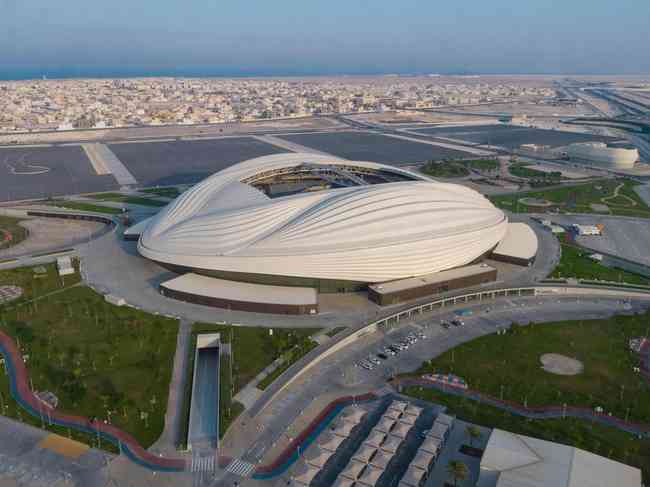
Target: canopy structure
[
  {"x": 330, "y": 442},
  {"x": 343, "y": 428},
  {"x": 353, "y": 470},
  {"x": 422, "y": 460},
  {"x": 375, "y": 438},
  {"x": 385, "y": 424},
  {"x": 304, "y": 473},
  {"x": 364, "y": 453},
  {"x": 438, "y": 430},
  {"x": 392, "y": 413},
  {"x": 413, "y": 476},
  {"x": 370, "y": 476},
  {"x": 381, "y": 459},
  {"x": 391, "y": 444},
  {"x": 431, "y": 445},
  {"x": 401, "y": 429},
  {"x": 353, "y": 414},
  {"x": 317, "y": 457},
  {"x": 343, "y": 482},
  {"x": 408, "y": 419}
]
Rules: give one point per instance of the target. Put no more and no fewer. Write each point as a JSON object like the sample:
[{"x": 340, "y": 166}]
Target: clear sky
[{"x": 276, "y": 37}]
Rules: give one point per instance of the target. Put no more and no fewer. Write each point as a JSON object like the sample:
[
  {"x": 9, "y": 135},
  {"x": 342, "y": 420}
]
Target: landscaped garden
[
  {"x": 11, "y": 233},
  {"x": 458, "y": 168},
  {"x": 98, "y": 360},
  {"x": 576, "y": 263},
  {"x": 81, "y": 206},
  {"x": 123, "y": 198},
  {"x": 508, "y": 366},
  {"x": 617, "y": 194}
]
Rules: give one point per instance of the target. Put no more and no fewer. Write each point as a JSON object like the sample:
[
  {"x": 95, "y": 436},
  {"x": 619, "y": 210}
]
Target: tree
[
  {"x": 458, "y": 471},
  {"x": 474, "y": 434}
]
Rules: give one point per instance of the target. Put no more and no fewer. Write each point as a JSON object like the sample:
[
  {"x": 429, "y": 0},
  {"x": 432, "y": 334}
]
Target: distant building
[
  {"x": 512, "y": 460},
  {"x": 600, "y": 154}
]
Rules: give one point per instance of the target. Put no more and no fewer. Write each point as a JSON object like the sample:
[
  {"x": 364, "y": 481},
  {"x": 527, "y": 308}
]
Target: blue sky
[{"x": 333, "y": 36}]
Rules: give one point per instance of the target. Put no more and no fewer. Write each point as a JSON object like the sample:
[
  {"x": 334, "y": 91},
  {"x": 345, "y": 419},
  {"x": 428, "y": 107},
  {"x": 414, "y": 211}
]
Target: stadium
[{"x": 317, "y": 223}]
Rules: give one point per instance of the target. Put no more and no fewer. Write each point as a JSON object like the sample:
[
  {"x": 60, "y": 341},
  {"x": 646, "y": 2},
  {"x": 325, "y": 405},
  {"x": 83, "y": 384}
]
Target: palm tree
[
  {"x": 474, "y": 434},
  {"x": 458, "y": 471}
]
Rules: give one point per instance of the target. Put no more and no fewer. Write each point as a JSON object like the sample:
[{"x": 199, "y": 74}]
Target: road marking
[{"x": 241, "y": 468}]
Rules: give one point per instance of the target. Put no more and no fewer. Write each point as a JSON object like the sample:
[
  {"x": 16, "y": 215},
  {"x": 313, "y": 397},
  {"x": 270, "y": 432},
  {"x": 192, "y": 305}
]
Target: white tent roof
[
  {"x": 530, "y": 462},
  {"x": 445, "y": 419},
  {"x": 408, "y": 419},
  {"x": 422, "y": 460},
  {"x": 353, "y": 469},
  {"x": 385, "y": 424},
  {"x": 431, "y": 445},
  {"x": 375, "y": 438},
  {"x": 398, "y": 405},
  {"x": 413, "y": 410},
  {"x": 317, "y": 457},
  {"x": 370, "y": 476},
  {"x": 438, "y": 430},
  {"x": 329, "y": 441},
  {"x": 343, "y": 482},
  {"x": 353, "y": 414},
  {"x": 343, "y": 428},
  {"x": 392, "y": 413},
  {"x": 391, "y": 444},
  {"x": 381, "y": 459},
  {"x": 401, "y": 430},
  {"x": 412, "y": 476},
  {"x": 364, "y": 453},
  {"x": 304, "y": 473}
]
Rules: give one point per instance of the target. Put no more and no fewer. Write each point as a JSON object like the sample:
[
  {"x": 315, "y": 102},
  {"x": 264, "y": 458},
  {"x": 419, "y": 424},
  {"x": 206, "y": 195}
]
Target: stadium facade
[{"x": 321, "y": 222}]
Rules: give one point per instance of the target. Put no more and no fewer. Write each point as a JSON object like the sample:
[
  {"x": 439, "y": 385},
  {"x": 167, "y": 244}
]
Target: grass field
[
  {"x": 290, "y": 357},
  {"x": 77, "y": 205},
  {"x": 578, "y": 198},
  {"x": 122, "y": 198},
  {"x": 508, "y": 366},
  {"x": 10, "y": 225},
  {"x": 444, "y": 169},
  {"x": 528, "y": 172},
  {"x": 482, "y": 164},
  {"x": 98, "y": 359},
  {"x": 601, "y": 440},
  {"x": 165, "y": 192},
  {"x": 254, "y": 349},
  {"x": 576, "y": 263}
]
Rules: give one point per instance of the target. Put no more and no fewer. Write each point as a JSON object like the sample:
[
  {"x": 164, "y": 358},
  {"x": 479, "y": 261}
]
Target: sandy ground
[
  {"x": 561, "y": 364},
  {"x": 51, "y": 233}
]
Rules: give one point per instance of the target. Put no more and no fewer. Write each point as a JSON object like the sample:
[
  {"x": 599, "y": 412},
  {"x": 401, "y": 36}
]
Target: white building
[
  {"x": 600, "y": 154},
  {"x": 512, "y": 460}
]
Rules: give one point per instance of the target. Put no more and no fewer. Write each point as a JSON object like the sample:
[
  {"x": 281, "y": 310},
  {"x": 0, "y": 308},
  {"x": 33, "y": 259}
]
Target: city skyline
[{"x": 254, "y": 39}]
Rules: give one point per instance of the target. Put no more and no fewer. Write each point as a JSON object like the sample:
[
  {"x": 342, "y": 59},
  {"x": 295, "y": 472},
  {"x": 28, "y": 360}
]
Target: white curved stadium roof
[{"x": 365, "y": 233}]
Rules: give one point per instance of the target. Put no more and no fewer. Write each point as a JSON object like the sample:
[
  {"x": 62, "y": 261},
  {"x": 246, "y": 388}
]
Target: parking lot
[
  {"x": 358, "y": 146},
  {"x": 626, "y": 238},
  {"x": 40, "y": 172},
  {"x": 512, "y": 136},
  {"x": 187, "y": 161}
]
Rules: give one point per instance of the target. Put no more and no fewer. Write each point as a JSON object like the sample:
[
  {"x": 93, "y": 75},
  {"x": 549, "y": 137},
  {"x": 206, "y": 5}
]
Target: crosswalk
[
  {"x": 241, "y": 468},
  {"x": 203, "y": 464}
]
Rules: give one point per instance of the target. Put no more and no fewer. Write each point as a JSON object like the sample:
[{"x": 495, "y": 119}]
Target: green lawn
[
  {"x": 289, "y": 358},
  {"x": 78, "y": 205},
  {"x": 602, "y": 440},
  {"x": 482, "y": 164},
  {"x": 528, "y": 172},
  {"x": 444, "y": 169},
  {"x": 95, "y": 357},
  {"x": 36, "y": 284},
  {"x": 509, "y": 364},
  {"x": 10, "y": 225},
  {"x": 576, "y": 263},
  {"x": 254, "y": 349},
  {"x": 165, "y": 192},
  {"x": 512, "y": 362},
  {"x": 578, "y": 198},
  {"x": 122, "y": 198}
]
